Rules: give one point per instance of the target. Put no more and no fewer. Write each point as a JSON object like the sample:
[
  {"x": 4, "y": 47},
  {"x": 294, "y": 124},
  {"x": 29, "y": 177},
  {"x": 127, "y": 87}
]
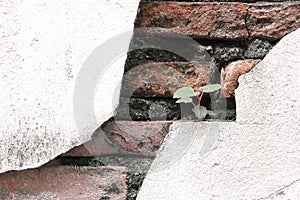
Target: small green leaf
[
  {"x": 210, "y": 112},
  {"x": 185, "y": 100},
  {"x": 185, "y": 92},
  {"x": 211, "y": 88},
  {"x": 200, "y": 112}
]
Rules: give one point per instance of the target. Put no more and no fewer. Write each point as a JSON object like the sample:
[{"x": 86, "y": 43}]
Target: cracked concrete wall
[
  {"x": 256, "y": 157},
  {"x": 43, "y": 47}
]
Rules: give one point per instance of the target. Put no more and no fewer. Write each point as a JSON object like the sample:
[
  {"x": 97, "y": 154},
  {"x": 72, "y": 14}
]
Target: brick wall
[{"x": 237, "y": 35}]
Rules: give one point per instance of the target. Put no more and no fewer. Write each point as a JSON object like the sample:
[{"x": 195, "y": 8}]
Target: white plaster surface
[
  {"x": 256, "y": 157},
  {"x": 43, "y": 45}
]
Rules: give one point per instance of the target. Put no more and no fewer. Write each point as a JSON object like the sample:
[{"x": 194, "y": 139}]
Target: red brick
[
  {"x": 163, "y": 79},
  {"x": 137, "y": 136},
  {"x": 62, "y": 182},
  {"x": 142, "y": 137},
  {"x": 80, "y": 150},
  {"x": 198, "y": 20},
  {"x": 273, "y": 21},
  {"x": 213, "y": 20},
  {"x": 231, "y": 74},
  {"x": 98, "y": 145}
]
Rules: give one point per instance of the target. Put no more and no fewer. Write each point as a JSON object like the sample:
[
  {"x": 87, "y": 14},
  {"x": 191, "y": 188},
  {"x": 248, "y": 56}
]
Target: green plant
[{"x": 185, "y": 94}]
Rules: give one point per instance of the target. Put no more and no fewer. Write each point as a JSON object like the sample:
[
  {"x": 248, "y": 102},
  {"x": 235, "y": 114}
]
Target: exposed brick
[
  {"x": 138, "y": 137},
  {"x": 213, "y": 20},
  {"x": 62, "y": 182},
  {"x": 148, "y": 109},
  {"x": 163, "y": 79},
  {"x": 142, "y": 137},
  {"x": 80, "y": 150},
  {"x": 98, "y": 145},
  {"x": 198, "y": 20},
  {"x": 231, "y": 73},
  {"x": 273, "y": 21}
]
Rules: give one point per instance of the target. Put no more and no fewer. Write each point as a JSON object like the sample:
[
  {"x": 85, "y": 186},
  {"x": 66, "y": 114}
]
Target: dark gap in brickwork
[
  {"x": 223, "y": 51},
  {"x": 140, "y": 109}
]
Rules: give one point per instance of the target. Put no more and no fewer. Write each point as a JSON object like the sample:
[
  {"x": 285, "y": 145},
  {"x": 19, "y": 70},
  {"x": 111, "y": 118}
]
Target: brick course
[
  {"x": 224, "y": 21},
  {"x": 63, "y": 182},
  {"x": 229, "y": 31}
]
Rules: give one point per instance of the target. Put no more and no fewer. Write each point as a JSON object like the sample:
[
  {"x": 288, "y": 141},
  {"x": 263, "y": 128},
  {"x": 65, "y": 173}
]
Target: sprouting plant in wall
[{"x": 185, "y": 94}]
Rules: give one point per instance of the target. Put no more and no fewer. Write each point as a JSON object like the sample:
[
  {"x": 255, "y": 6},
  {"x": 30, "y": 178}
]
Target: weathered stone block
[
  {"x": 223, "y": 54},
  {"x": 258, "y": 49}
]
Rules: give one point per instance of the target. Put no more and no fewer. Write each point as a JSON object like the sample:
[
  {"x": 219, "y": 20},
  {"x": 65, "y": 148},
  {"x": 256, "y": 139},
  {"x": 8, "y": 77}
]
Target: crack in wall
[
  {"x": 280, "y": 191},
  {"x": 246, "y": 23}
]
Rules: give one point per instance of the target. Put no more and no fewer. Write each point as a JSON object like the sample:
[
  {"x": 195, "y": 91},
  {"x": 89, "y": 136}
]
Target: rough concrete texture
[
  {"x": 274, "y": 84},
  {"x": 43, "y": 46},
  {"x": 257, "y": 157}
]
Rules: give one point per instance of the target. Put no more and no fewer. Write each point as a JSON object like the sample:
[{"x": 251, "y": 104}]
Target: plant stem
[{"x": 199, "y": 97}]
